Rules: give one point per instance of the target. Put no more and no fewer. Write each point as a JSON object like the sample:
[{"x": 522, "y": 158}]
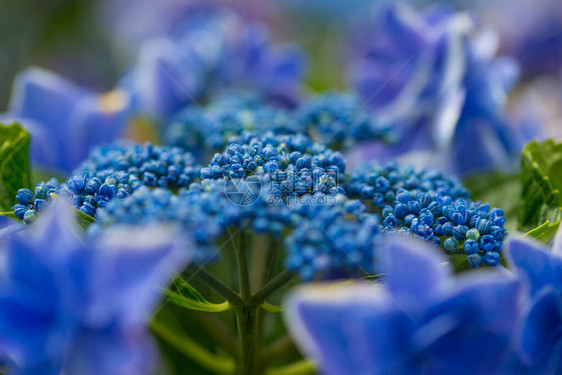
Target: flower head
[
  {"x": 339, "y": 121},
  {"x": 206, "y": 131},
  {"x": 418, "y": 321},
  {"x": 66, "y": 121},
  {"x": 430, "y": 206},
  {"x": 215, "y": 49},
  {"x": 66, "y": 302},
  {"x": 538, "y": 340},
  {"x": 447, "y": 89}
]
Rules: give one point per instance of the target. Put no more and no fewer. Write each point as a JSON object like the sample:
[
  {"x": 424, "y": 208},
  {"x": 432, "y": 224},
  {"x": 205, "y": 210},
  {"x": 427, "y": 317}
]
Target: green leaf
[
  {"x": 541, "y": 185},
  {"x": 14, "y": 163},
  {"x": 184, "y": 295},
  {"x": 545, "y": 232},
  {"x": 500, "y": 190}
]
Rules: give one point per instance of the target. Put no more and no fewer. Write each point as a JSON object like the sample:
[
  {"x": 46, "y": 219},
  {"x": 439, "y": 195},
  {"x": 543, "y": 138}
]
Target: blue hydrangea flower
[
  {"x": 215, "y": 49},
  {"x": 65, "y": 120},
  {"x": 145, "y": 164},
  {"x": 339, "y": 121},
  {"x": 290, "y": 164},
  {"x": 430, "y": 206},
  {"x": 332, "y": 239},
  {"x": 204, "y": 131},
  {"x": 419, "y": 321},
  {"x": 532, "y": 32},
  {"x": 112, "y": 172},
  {"x": 538, "y": 340},
  {"x": 80, "y": 306},
  {"x": 440, "y": 83}
]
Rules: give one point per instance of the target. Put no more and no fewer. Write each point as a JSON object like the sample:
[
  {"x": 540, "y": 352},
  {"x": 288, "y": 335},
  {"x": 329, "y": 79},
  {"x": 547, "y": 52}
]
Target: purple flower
[
  {"x": 65, "y": 120},
  {"x": 539, "y": 340},
  {"x": 72, "y": 305},
  {"x": 215, "y": 49},
  {"x": 440, "y": 82},
  {"x": 419, "y": 321}
]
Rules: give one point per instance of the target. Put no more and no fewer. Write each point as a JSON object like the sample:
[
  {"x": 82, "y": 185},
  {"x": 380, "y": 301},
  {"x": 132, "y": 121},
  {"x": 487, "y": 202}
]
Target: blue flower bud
[
  {"x": 39, "y": 204},
  {"x": 487, "y": 243},
  {"x": 471, "y": 247},
  {"x": 20, "y": 210},
  {"x": 474, "y": 260},
  {"x": 41, "y": 192},
  {"x": 492, "y": 258},
  {"x": 451, "y": 245},
  {"x": 473, "y": 234},
  {"x": 29, "y": 216},
  {"x": 24, "y": 196},
  {"x": 75, "y": 185}
]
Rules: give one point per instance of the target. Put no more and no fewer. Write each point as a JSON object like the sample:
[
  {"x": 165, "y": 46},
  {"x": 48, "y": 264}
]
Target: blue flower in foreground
[
  {"x": 439, "y": 81},
  {"x": 420, "y": 321},
  {"x": 81, "y": 307},
  {"x": 215, "y": 50},
  {"x": 539, "y": 341},
  {"x": 65, "y": 120}
]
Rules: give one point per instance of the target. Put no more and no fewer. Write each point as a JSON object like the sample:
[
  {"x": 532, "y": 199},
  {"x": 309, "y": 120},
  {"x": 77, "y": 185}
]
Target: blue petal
[
  {"x": 347, "y": 330},
  {"x": 534, "y": 263},
  {"x": 414, "y": 269},
  {"x": 469, "y": 331},
  {"x": 542, "y": 327},
  {"x": 112, "y": 352}
]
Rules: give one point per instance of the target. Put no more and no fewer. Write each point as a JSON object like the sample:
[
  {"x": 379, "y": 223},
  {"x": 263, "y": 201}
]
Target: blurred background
[{"x": 94, "y": 42}]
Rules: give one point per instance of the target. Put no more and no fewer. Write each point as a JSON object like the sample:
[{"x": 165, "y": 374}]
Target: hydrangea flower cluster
[
  {"x": 292, "y": 163},
  {"x": 336, "y": 120},
  {"x": 149, "y": 165},
  {"x": 448, "y": 88},
  {"x": 205, "y": 131},
  {"x": 30, "y": 204},
  {"x": 333, "y": 241},
  {"x": 213, "y": 50},
  {"x": 339, "y": 121},
  {"x": 428, "y": 205},
  {"x": 113, "y": 171},
  {"x": 205, "y": 214}
]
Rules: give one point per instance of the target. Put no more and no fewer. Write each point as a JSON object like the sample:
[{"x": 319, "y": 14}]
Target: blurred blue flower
[
  {"x": 65, "y": 120},
  {"x": 439, "y": 81},
  {"x": 80, "y": 307},
  {"x": 539, "y": 340},
  {"x": 532, "y": 32},
  {"x": 419, "y": 322},
  {"x": 215, "y": 49}
]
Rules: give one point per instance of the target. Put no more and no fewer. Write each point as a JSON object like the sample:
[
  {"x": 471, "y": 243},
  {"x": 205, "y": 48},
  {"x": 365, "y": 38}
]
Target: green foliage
[
  {"x": 14, "y": 163},
  {"x": 541, "y": 185},
  {"x": 184, "y": 295},
  {"x": 500, "y": 190}
]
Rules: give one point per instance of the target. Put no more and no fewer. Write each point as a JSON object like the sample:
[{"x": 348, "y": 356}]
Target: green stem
[
  {"x": 217, "y": 285},
  {"x": 216, "y": 329},
  {"x": 243, "y": 274},
  {"x": 246, "y": 319},
  {"x": 260, "y": 260},
  {"x": 191, "y": 349},
  {"x": 276, "y": 283},
  {"x": 303, "y": 367}
]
